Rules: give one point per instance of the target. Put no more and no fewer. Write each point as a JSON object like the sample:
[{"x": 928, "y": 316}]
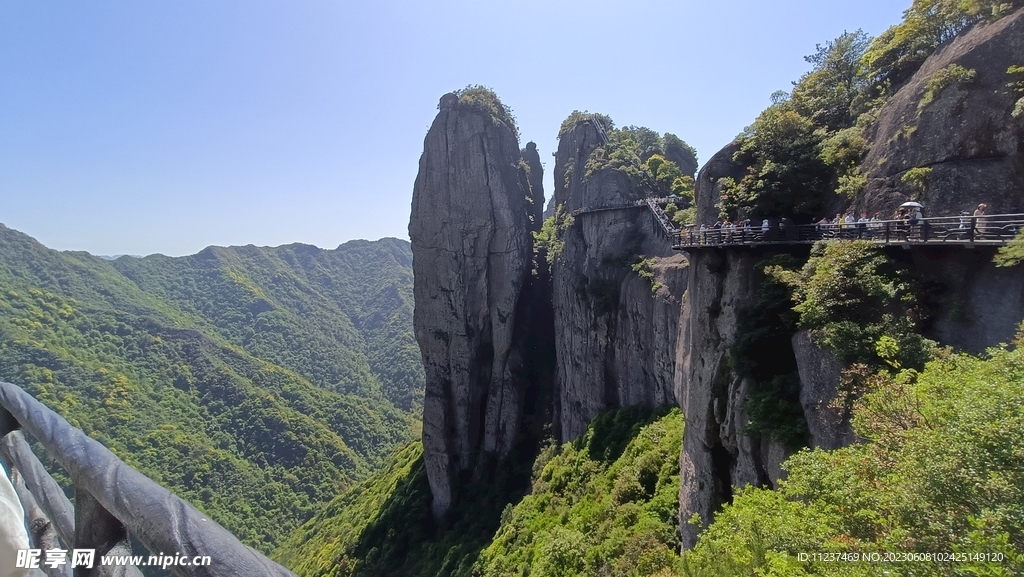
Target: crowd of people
[{"x": 906, "y": 223}]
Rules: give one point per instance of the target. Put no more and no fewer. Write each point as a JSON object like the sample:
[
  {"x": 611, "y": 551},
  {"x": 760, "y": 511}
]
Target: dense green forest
[
  {"x": 257, "y": 383},
  {"x": 606, "y": 504}
]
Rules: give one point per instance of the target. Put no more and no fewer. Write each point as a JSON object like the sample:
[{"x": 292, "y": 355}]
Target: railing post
[
  {"x": 97, "y": 530},
  {"x": 924, "y": 230},
  {"x": 887, "y": 232},
  {"x": 41, "y": 532},
  {"x": 48, "y": 494}
]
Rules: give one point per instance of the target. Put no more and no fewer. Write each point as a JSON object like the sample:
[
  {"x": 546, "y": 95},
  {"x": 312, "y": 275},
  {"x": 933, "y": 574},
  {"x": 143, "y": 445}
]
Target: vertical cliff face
[
  {"x": 615, "y": 338},
  {"x": 535, "y": 178},
  {"x": 709, "y": 191},
  {"x": 471, "y": 244},
  {"x": 716, "y": 455}
]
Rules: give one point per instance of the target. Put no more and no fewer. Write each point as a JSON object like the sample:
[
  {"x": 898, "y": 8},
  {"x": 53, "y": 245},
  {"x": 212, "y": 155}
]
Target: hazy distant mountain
[{"x": 255, "y": 382}]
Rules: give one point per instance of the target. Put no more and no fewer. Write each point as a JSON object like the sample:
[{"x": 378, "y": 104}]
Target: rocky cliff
[
  {"x": 961, "y": 137},
  {"x": 959, "y": 129},
  {"x": 615, "y": 332},
  {"x": 709, "y": 191},
  {"x": 716, "y": 455},
  {"x": 471, "y": 244},
  {"x": 966, "y": 145}
]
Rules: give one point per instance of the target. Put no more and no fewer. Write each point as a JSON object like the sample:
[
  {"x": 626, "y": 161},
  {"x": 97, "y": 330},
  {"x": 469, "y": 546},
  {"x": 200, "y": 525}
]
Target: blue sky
[{"x": 132, "y": 127}]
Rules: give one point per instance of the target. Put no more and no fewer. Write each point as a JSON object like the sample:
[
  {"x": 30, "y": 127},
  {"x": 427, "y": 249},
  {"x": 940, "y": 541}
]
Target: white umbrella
[{"x": 911, "y": 204}]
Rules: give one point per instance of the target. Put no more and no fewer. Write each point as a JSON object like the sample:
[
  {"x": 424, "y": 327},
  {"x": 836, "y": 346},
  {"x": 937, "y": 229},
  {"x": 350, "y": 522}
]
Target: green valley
[{"x": 159, "y": 359}]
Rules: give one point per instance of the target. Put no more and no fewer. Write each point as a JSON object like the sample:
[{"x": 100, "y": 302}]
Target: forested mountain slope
[
  {"x": 603, "y": 505},
  {"x": 255, "y": 382},
  {"x": 341, "y": 318}
]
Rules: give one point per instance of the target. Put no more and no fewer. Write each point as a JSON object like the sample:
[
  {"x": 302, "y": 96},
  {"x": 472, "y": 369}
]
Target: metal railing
[
  {"x": 112, "y": 502},
  {"x": 659, "y": 214},
  {"x": 604, "y": 207},
  {"x": 989, "y": 230}
]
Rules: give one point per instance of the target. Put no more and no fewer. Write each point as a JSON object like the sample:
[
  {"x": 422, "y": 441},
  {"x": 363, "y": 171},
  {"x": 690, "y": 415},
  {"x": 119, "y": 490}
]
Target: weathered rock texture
[
  {"x": 966, "y": 136},
  {"x": 977, "y": 305},
  {"x": 535, "y": 177},
  {"x": 828, "y": 421},
  {"x": 709, "y": 191},
  {"x": 615, "y": 337},
  {"x": 716, "y": 455},
  {"x": 471, "y": 247}
]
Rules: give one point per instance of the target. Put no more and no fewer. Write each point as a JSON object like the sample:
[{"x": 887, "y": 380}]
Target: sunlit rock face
[
  {"x": 471, "y": 243},
  {"x": 966, "y": 138},
  {"x": 615, "y": 337}
]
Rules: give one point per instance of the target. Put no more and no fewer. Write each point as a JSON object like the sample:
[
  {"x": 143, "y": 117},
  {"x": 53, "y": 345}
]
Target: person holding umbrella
[{"x": 914, "y": 211}]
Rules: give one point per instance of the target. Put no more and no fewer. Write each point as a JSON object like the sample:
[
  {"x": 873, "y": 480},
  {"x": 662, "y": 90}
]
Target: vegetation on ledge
[
  {"x": 940, "y": 472},
  {"x": 605, "y": 504}
]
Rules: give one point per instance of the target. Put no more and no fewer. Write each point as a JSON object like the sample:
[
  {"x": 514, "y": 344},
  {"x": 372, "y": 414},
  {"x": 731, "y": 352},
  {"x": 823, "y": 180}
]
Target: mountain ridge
[{"x": 131, "y": 351}]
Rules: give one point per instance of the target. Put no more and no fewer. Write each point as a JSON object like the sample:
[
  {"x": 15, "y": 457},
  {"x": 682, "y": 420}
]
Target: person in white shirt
[{"x": 13, "y": 535}]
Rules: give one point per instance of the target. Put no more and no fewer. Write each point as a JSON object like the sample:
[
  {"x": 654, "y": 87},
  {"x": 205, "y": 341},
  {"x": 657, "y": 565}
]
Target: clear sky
[{"x": 131, "y": 127}]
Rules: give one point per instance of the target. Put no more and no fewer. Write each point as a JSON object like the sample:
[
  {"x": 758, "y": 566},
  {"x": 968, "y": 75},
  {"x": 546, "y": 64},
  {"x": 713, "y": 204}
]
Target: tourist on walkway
[
  {"x": 979, "y": 220},
  {"x": 875, "y": 225}
]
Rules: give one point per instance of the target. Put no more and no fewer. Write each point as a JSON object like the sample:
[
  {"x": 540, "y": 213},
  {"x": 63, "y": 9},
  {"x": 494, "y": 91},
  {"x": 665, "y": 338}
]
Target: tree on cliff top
[
  {"x": 898, "y": 52},
  {"x": 483, "y": 99},
  {"x": 828, "y": 93},
  {"x": 577, "y": 117},
  {"x": 643, "y": 155}
]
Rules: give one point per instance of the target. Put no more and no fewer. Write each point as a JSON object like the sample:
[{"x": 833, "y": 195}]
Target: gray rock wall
[
  {"x": 827, "y": 422},
  {"x": 471, "y": 249},
  {"x": 966, "y": 136},
  {"x": 708, "y": 191},
  {"x": 615, "y": 338},
  {"x": 716, "y": 455}
]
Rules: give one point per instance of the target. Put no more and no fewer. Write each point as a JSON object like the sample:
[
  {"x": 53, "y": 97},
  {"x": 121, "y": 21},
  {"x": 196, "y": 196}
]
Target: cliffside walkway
[
  {"x": 652, "y": 204},
  {"x": 112, "y": 502},
  {"x": 989, "y": 230}
]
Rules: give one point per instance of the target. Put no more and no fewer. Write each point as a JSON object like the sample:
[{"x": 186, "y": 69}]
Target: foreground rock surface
[{"x": 966, "y": 138}]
